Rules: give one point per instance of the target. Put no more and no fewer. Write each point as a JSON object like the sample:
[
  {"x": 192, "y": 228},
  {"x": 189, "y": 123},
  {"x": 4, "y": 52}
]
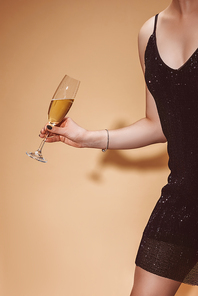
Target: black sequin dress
[{"x": 169, "y": 246}]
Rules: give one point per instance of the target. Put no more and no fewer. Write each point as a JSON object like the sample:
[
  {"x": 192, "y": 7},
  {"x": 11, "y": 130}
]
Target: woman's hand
[{"x": 67, "y": 132}]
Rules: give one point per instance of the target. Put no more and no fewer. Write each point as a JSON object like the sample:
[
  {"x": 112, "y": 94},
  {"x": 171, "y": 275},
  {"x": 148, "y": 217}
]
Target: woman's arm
[{"x": 142, "y": 133}]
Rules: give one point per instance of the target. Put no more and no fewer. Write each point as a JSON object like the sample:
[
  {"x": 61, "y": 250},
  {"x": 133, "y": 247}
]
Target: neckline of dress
[{"x": 172, "y": 69}]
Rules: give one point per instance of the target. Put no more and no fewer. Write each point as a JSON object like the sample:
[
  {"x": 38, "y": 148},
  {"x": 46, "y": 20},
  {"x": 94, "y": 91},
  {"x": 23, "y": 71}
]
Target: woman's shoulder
[
  {"x": 147, "y": 28},
  {"x": 144, "y": 35}
]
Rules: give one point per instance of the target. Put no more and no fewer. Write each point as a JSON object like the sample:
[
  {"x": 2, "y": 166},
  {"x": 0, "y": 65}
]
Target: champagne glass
[{"x": 60, "y": 104}]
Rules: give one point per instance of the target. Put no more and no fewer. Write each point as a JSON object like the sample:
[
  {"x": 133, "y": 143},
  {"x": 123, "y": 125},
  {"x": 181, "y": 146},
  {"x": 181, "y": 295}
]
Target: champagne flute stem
[{"x": 42, "y": 143}]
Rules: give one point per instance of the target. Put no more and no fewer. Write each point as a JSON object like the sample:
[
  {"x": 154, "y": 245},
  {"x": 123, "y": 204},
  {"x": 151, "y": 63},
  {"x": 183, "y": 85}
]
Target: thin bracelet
[{"x": 103, "y": 150}]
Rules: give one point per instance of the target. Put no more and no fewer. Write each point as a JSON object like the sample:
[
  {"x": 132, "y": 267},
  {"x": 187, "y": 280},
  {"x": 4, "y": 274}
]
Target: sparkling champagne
[
  {"x": 60, "y": 104},
  {"x": 58, "y": 109}
]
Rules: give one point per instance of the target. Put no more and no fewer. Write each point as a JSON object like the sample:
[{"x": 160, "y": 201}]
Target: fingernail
[{"x": 49, "y": 127}]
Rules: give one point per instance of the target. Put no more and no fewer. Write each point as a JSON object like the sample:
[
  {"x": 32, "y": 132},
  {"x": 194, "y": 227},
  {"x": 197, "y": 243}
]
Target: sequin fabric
[{"x": 169, "y": 246}]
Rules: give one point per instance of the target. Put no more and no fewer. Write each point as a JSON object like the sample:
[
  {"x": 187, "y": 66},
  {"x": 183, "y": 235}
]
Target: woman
[{"x": 168, "y": 49}]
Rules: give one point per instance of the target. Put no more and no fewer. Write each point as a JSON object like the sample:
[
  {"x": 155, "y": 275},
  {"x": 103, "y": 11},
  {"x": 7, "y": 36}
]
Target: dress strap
[{"x": 155, "y": 24}]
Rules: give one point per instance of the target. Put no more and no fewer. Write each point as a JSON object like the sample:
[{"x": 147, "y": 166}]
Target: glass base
[{"x": 37, "y": 155}]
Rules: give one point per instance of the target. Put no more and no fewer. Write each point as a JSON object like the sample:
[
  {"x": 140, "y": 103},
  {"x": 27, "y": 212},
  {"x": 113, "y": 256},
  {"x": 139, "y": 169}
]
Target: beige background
[{"x": 72, "y": 226}]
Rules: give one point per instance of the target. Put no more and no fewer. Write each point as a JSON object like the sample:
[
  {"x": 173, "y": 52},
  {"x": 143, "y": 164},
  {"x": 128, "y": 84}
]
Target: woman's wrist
[{"x": 95, "y": 139}]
